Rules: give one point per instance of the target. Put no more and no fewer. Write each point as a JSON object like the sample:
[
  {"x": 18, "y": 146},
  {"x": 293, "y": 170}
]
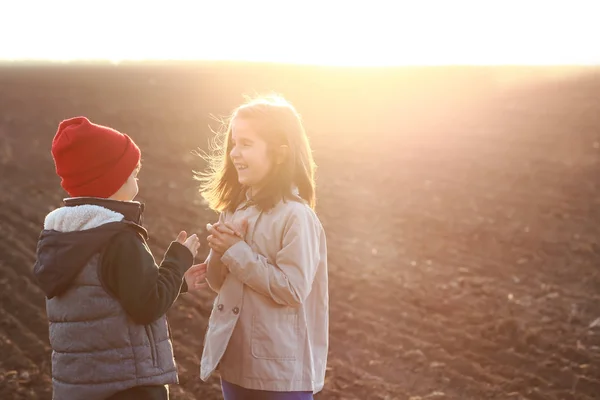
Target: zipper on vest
[{"x": 153, "y": 351}]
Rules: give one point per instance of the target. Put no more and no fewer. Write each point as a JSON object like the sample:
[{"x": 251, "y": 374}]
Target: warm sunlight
[{"x": 307, "y": 32}]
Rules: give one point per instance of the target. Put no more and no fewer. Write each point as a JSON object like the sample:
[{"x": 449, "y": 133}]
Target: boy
[{"x": 106, "y": 298}]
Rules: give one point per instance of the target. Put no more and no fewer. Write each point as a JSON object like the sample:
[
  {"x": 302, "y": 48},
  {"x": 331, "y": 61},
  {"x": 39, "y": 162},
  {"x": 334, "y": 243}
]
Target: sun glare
[{"x": 364, "y": 33}]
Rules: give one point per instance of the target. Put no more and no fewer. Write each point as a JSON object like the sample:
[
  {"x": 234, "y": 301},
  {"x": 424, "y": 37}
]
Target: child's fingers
[
  {"x": 232, "y": 229},
  {"x": 212, "y": 241},
  {"x": 201, "y": 273},
  {"x": 198, "y": 267},
  {"x": 200, "y": 277},
  {"x": 197, "y": 276},
  {"x": 211, "y": 228},
  {"x": 200, "y": 284},
  {"x": 216, "y": 248},
  {"x": 221, "y": 228},
  {"x": 192, "y": 242},
  {"x": 227, "y": 230},
  {"x": 182, "y": 237},
  {"x": 217, "y": 235}
]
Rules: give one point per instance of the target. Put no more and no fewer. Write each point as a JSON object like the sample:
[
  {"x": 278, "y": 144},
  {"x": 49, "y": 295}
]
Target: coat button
[
  {"x": 220, "y": 307},
  {"x": 236, "y": 310}
]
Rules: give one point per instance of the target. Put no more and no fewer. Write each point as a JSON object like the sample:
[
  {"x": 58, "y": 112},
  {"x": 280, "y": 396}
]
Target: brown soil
[{"x": 462, "y": 208}]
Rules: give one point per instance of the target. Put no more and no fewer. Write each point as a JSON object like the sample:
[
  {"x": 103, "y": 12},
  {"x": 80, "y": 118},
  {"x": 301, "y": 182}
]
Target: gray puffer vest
[{"x": 97, "y": 350}]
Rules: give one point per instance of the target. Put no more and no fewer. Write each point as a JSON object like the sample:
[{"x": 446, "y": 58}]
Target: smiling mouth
[{"x": 240, "y": 167}]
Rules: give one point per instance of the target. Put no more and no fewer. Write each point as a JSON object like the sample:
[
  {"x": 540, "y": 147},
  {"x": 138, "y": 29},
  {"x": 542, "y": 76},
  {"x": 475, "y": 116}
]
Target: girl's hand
[
  {"x": 236, "y": 228},
  {"x": 221, "y": 242},
  {"x": 195, "y": 277}
]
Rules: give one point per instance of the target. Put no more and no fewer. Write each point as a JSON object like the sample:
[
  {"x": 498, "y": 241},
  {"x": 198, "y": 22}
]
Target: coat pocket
[
  {"x": 153, "y": 351},
  {"x": 275, "y": 337}
]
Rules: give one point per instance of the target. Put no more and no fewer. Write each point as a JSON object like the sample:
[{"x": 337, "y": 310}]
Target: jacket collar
[{"x": 132, "y": 211}]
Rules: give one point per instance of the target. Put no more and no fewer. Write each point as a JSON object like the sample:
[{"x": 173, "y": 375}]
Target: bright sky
[{"x": 329, "y": 32}]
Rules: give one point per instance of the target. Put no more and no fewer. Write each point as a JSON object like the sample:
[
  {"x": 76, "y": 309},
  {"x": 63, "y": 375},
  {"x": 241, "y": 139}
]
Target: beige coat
[{"x": 268, "y": 329}]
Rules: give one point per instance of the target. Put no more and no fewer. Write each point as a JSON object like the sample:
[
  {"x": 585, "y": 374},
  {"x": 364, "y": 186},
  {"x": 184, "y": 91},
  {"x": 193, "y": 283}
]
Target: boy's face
[{"x": 129, "y": 190}]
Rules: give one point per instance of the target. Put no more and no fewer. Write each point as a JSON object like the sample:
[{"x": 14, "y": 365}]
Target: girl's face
[{"x": 249, "y": 154}]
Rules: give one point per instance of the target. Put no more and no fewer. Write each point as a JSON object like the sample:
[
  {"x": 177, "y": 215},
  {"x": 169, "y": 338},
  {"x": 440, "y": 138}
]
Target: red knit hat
[{"x": 92, "y": 160}]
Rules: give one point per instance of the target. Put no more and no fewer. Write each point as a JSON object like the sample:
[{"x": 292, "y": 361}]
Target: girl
[{"x": 268, "y": 330}]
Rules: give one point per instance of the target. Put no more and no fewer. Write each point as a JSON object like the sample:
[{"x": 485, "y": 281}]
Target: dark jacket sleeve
[{"x": 146, "y": 291}]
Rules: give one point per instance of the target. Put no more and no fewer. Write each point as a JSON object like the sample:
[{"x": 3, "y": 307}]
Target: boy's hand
[
  {"x": 192, "y": 242},
  {"x": 195, "y": 277}
]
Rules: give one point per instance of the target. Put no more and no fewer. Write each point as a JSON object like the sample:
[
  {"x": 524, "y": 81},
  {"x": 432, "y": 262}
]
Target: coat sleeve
[
  {"x": 145, "y": 290},
  {"x": 288, "y": 280},
  {"x": 216, "y": 272}
]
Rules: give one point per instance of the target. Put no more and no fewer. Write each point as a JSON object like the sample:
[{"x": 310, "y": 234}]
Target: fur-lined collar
[{"x": 79, "y": 218}]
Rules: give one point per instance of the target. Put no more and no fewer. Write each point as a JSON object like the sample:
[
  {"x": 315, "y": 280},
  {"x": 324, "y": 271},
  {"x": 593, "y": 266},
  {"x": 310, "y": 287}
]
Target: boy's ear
[{"x": 282, "y": 154}]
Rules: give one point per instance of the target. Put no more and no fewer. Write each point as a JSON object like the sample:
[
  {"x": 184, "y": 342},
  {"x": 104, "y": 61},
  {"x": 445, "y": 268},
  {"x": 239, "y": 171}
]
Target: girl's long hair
[{"x": 279, "y": 124}]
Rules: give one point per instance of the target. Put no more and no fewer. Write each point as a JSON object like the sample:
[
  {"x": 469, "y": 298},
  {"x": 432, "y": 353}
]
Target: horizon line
[{"x": 116, "y": 62}]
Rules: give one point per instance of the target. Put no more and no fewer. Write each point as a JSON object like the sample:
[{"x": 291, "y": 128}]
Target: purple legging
[{"x": 234, "y": 392}]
